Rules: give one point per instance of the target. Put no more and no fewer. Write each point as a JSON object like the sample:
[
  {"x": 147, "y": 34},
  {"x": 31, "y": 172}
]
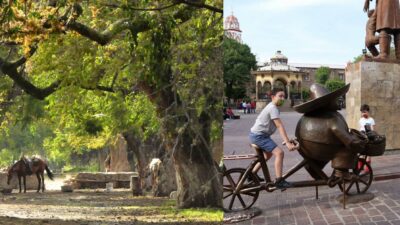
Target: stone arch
[
  {"x": 299, "y": 86},
  {"x": 293, "y": 85},
  {"x": 263, "y": 88},
  {"x": 267, "y": 87},
  {"x": 281, "y": 83},
  {"x": 293, "y": 89},
  {"x": 259, "y": 90}
]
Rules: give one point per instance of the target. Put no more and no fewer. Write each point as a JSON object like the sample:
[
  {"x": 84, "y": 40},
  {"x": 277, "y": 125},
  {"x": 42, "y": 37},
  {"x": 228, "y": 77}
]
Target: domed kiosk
[{"x": 277, "y": 73}]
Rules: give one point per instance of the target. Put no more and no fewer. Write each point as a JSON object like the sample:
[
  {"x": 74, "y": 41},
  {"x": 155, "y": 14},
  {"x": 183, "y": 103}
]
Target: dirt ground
[{"x": 93, "y": 207}]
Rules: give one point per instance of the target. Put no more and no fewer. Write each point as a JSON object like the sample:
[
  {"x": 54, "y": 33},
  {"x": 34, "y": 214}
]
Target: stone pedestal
[{"x": 378, "y": 85}]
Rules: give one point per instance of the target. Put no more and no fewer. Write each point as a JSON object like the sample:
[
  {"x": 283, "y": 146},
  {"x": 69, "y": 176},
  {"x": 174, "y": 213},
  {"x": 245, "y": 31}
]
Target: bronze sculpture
[
  {"x": 371, "y": 39},
  {"x": 387, "y": 23},
  {"x": 323, "y": 133}
]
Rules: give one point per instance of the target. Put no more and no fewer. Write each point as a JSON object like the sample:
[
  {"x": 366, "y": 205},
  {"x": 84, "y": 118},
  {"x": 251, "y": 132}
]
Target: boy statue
[
  {"x": 387, "y": 23},
  {"x": 370, "y": 38}
]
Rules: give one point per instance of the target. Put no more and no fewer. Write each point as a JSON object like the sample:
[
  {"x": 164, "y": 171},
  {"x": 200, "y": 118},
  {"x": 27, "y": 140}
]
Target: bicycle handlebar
[{"x": 295, "y": 143}]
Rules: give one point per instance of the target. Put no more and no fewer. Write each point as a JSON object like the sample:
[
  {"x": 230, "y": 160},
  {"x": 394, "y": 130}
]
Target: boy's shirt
[
  {"x": 264, "y": 123},
  {"x": 366, "y": 121}
]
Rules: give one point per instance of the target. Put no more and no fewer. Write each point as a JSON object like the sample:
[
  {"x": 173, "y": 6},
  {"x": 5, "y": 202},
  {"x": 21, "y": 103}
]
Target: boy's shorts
[{"x": 263, "y": 141}]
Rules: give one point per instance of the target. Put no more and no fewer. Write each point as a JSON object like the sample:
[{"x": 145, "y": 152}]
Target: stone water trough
[
  {"x": 31, "y": 182},
  {"x": 100, "y": 179}
]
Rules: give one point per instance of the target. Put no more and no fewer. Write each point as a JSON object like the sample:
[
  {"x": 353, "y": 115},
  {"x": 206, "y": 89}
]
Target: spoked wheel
[
  {"x": 244, "y": 197},
  {"x": 359, "y": 186}
]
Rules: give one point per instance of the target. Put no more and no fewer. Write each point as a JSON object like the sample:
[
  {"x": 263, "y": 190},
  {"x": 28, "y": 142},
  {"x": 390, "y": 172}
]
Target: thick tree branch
[
  {"x": 142, "y": 9},
  {"x": 23, "y": 59},
  {"x": 106, "y": 36},
  {"x": 28, "y": 87},
  {"x": 199, "y": 4},
  {"x": 138, "y": 26},
  {"x": 103, "y": 38},
  {"x": 39, "y": 93}
]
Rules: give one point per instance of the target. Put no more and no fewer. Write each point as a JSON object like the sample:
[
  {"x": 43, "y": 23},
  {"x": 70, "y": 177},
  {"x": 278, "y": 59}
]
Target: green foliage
[
  {"x": 209, "y": 214},
  {"x": 77, "y": 118},
  {"x": 238, "y": 62},
  {"x": 136, "y": 71},
  {"x": 306, "y": 93},
  {"x": 322, "y": 75},
  {"x": 334, "y": 84},
  {"x": 358, "y": 58},
  {"x": 6, "y": 157}
]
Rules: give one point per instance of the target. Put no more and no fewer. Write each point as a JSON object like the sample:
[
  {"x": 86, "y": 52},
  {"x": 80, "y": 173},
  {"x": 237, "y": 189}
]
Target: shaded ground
[{"x": 97, "y": 207}]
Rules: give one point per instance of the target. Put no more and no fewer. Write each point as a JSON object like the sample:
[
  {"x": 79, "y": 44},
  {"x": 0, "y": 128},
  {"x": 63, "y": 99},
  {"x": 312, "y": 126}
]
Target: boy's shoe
[{"x": 282, "y": 184}]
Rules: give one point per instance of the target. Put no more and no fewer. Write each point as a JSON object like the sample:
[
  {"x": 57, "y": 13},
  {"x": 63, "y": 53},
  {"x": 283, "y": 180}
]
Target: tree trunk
[
  {"x": 119, "y": 155},
  {"x": 144, "y": 152},
  {"x": 197, "y": 178},
  {"x": 186, "y": 134},
  {"x": 197, "y": 175}
]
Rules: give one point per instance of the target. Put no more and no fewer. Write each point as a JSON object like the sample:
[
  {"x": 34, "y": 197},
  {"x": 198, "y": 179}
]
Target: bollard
[
  {"x": 135, "y": 186},
  {"x": 109, "y": 187}
]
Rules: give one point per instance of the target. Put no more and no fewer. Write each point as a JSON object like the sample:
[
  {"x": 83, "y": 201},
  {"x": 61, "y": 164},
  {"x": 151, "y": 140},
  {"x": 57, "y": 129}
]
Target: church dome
[{"x": 232, "y": 23}]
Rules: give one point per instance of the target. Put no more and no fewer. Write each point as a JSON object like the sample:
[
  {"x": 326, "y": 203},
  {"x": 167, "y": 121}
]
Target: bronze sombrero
[{"x": 320, "y": 97}]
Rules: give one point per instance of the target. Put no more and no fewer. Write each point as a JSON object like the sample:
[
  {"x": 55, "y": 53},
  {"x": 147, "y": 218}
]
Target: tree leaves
[{"x": 238, "y": 62}]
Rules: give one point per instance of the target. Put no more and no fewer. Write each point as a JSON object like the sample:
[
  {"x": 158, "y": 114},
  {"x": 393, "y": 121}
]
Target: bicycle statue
[{"x": 322, "y": 135}]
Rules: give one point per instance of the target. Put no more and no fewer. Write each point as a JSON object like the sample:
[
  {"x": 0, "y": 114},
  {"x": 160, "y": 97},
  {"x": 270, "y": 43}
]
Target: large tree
[
  {"x": 70, "y": 53},
  {"x": 238, "y": 62},
  {"x": 334, "y": 84},
  {"x": 322, "y": 74}
]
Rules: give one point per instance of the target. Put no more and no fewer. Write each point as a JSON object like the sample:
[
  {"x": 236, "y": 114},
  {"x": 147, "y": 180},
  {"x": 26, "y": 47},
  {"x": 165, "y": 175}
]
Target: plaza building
[{"x": 291, "y": 77}]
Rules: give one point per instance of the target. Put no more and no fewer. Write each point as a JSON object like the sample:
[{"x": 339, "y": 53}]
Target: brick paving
[{"x": 299, "y": 206}]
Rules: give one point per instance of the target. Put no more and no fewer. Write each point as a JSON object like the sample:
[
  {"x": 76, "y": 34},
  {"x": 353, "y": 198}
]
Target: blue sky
[{"x": 306, "y": 31}]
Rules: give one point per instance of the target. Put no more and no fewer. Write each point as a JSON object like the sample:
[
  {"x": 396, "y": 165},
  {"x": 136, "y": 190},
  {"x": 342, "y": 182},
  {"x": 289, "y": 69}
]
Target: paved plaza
[{"x": 299, "y": 205}]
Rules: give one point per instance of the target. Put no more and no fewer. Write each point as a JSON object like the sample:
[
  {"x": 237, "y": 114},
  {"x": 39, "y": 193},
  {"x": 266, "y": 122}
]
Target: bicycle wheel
[
  {"x": 364, "y": 174},
  {"x": 243, "y": 198}
]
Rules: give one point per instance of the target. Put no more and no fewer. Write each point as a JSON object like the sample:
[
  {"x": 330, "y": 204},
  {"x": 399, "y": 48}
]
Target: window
[
  {"x": 306, "y": 77},
  {"x": 341, "y": 76}
]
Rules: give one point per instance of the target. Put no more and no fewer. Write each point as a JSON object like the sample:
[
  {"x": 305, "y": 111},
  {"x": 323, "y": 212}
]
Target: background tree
[
  {"x": 334, "y": 84},
  {"x": 322, "y": 75},
  {"x": 238, "y": 62},
  {"x": 104, "y": 68}
]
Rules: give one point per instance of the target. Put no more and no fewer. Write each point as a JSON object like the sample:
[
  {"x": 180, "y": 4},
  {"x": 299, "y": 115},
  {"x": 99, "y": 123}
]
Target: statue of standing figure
[
  {"x": 387, "y": 13},
  {"x": 370, "y": 38}
]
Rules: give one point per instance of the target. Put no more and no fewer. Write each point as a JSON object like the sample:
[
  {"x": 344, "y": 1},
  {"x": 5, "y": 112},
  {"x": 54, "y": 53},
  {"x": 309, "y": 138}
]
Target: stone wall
[
  {"x": 31, "y": 182},
  {"x": 378, "y": 85},
  {"x": 98, "y": 180}
]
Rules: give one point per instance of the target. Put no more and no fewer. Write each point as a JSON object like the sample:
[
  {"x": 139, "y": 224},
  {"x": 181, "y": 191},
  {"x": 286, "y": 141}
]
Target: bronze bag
[{"x": 375, "y": 145}]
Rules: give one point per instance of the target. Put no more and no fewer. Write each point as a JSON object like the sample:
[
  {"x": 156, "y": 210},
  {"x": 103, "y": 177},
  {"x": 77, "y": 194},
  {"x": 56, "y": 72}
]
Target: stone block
[
  {"x": 31, "y": 182},
  {"x": 378, "y": 85}
]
